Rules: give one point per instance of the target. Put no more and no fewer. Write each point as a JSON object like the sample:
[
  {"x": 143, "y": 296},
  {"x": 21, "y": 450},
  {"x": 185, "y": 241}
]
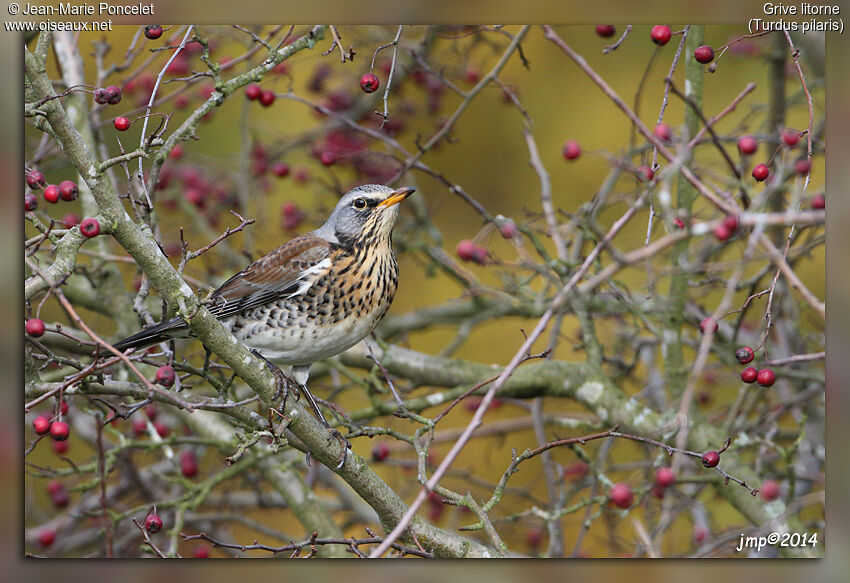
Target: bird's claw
[{"x": 346, "y": 447}]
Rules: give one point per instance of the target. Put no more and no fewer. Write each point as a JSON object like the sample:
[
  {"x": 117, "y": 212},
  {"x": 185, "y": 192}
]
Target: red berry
[
  {"x": 280, "y": 169},
  {"x": 267, "y": 97},
  {"x": 71, "y": 220},
  {"x": 663, "y": 132},
  {"x": 35, "y": 327},
  {"x": 114, "y": 94},
  {"x": 749, "y": 374},
  {"x": 533, "y": 537},
  {"x": 46, "y": 537},
  {"x": 151, "y": 411},
  {"x": 818, "y": 202},
  {"x": 766, "y": 377},
  {"x": 380, "y": 452},
  {"x": 664, "y": 477},
  {"x": 769, "y": 490},
  {"x": 621, "y": 495},
  {"x": 708, "y": 324},
  {"x": 645, "y": 174},
  {"x": 59, "y": 430},
  {"x": 605, "y": 30},
  {"x": 253, "y": 91},
  {"x": 466, "y": 250},
  {"x": 657, "y": 491},
  {"x": 761, "y": 172},
  {"x": 790, "y": 137},
  {"x": 480, "y": 255},
  {"x": 30, "y": 202},
  {"x": 60, "y": 447},
  {"x": 140, "y": 427},
  {"x": 60, "y": 499},
  {"x": 508, "y": 229},
  {"x": 153, "y": 31},
  {"x": 722, "y": 232},
  {"x": 731, "y": 222},
  {"x": 121, "y": 124},
  {"x": 679, "y": 223},
  {"x": 161, "y": 429},
  {"x": 176, "y": 152},
  {"x": 201, "y": 552},
  {"x": 704, "y": 54},
  {"x": 710, "y": 459},
  {"x": 153, "y": 523},
  {"x": 68, "y": 190},
  {"x": 51, "y": 193},
  {"x": 301, "y": 175},
  {"x": 54, "y": 487},
  {"x": 165, "y": 375},
  {"x": 747, "y": 145},
  {"x": 660, "y": 34},
  {"x": 327, "y": 157},
  {"x": 369, "y": 83},
  {"x": 188, "y": 464},
  {"x": 35, "y": 179},
  {"x": 575, "y": 471},
  {"x": 90, "y": 227},
  {"x": 41, "y": 424},
  {"x": 571, "y": 150},
  {"x": 700, "y": 532},
  {"x": 744, "y": 355},
  {"x": 802, "y": 166},
  {"x": 471, "y": 75},
  {"x": 101, "y": 96}
]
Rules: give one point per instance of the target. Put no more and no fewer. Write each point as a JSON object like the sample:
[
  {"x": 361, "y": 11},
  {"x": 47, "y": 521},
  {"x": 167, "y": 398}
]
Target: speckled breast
[{"x": 340, "y": 309}]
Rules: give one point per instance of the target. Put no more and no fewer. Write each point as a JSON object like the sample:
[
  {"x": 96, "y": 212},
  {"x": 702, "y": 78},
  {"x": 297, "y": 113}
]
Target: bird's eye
[{"x": 360, "y": 203}]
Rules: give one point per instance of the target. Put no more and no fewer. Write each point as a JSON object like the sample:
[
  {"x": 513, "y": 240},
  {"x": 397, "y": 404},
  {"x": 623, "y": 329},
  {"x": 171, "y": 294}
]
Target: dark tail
[{"x": 173, "y": 328}]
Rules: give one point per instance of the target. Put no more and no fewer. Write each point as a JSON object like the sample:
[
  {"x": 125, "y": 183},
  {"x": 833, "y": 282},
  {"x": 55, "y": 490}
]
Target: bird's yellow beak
[{"x": 397, "y": 196}]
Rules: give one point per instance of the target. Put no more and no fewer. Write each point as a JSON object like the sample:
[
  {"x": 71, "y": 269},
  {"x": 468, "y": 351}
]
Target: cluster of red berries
[
  {"x": 765, "y": 377},
  {"x": 140, "y": 426},
  {"x": 110, "y": 95},
  {"x": 727, "y": 228},
  {"x": 67, "y": 190},
  {"x": 747, "y": 145},
  {"x": 256, "y": 93},
  {"x": 58, "y": 430},
  {"x": 468, "y": 251}
]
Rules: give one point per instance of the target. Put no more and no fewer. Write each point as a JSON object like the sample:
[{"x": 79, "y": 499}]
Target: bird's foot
[
  {"x": 346, "y": 447},
  {"x": 282, "y": 382}
]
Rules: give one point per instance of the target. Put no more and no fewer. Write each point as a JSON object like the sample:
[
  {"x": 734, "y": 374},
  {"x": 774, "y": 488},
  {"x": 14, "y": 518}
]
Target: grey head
[{"x": 367, "y": 211}]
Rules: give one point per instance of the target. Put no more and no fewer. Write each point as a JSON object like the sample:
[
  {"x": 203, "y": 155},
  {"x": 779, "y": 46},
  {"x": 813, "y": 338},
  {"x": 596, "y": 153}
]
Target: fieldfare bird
[{"x": 313, "y": 297}]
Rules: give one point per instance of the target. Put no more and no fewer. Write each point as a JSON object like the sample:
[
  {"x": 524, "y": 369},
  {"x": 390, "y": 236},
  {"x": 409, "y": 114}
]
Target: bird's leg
[
  {"x": 281, "y": 381},
  {"x": 301, "y": 374}
]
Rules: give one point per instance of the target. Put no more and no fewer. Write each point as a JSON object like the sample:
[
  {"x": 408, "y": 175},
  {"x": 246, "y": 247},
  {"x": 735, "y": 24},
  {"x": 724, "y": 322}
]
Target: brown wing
[{"x": 288, "y": 270}]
